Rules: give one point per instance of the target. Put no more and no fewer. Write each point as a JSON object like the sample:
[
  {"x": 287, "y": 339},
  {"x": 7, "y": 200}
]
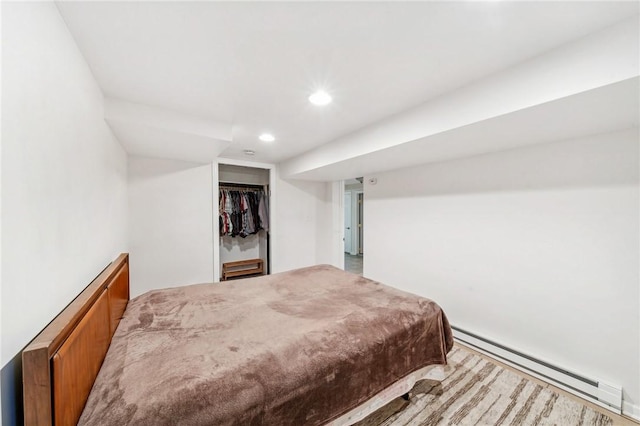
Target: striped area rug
[{"x": 479, "y": 392}]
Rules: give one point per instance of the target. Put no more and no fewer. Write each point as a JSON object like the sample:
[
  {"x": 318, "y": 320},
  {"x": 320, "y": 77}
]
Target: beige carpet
[{"x": 479, "y": 392}]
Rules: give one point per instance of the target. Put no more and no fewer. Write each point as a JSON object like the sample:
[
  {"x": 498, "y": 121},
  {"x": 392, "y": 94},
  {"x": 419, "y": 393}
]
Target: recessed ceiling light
[
  {"x": 320, "y": 98},
  {"x": 267, "y": 137}
]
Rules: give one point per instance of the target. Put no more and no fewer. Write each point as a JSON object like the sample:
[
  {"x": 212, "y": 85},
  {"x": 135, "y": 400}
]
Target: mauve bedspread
[{"x": 295, "y": 348}]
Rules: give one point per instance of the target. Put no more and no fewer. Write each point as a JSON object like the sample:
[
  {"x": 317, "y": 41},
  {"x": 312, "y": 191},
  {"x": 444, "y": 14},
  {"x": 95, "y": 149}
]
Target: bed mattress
[{"x": 295, "y": 348}]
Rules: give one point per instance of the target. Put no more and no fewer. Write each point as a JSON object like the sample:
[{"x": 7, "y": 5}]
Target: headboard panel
[
  {"x": 76, "y": 364},
  {"x": 60, "y": 365},
  {"x": 118, "y": 293}
]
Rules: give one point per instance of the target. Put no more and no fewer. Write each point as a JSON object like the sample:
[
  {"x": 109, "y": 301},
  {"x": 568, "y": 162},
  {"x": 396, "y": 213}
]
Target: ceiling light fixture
[
  {"x": 320, "y": 98},
  {"x": 267, "y": 137}
]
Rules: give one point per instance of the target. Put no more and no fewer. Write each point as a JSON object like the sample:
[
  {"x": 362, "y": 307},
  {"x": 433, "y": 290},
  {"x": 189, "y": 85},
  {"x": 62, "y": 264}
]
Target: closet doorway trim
[{"x": 273, "y": 225}]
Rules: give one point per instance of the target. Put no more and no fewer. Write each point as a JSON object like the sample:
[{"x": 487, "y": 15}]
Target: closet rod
[{"x": 240, "y": 186}]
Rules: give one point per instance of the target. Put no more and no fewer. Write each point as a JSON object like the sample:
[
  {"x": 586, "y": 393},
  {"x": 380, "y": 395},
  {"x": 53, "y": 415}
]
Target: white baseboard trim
[
  {"x": 593, "y": 390},
  {"x": 630, "y": 410}
]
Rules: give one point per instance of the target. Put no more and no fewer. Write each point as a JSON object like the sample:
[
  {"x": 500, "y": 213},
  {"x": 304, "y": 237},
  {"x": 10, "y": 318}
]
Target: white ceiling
[
  {"x": 252, "y": 66},
  {"x": 588, "y": 113}
]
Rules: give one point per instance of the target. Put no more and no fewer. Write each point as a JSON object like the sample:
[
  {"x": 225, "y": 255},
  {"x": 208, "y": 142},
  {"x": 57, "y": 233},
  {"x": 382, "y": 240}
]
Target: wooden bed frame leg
[{"x": 406, "y": 396}]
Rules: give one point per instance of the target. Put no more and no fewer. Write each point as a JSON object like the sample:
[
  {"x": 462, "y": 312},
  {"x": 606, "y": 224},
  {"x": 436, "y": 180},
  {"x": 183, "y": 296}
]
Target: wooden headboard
[{"x": 60, "y": 365}]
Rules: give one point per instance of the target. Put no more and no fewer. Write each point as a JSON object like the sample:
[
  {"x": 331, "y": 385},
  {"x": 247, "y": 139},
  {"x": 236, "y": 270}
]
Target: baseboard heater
[{"x": 597, "y": 391}]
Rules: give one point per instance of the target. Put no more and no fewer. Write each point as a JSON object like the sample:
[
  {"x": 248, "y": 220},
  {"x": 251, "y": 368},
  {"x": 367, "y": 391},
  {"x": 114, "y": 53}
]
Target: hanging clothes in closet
[{"x": 243, "y": 211}]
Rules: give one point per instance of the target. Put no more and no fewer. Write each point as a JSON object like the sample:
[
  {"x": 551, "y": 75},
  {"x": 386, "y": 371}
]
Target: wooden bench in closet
[{"x": 242, "y": 268}]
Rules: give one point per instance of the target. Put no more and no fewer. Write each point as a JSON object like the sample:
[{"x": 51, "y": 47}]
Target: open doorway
[{"x": 353, "y": 225}]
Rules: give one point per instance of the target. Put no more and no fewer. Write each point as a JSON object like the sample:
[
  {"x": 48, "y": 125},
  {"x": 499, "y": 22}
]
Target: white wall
[
  {"x": 536, "y": 248},
  {"x": 171, "y": 216},
  {"x": 63, "y": 174},
  {"x": 304, "y": 219},
  {"x": 170, "y": 223},
  {"x": 64, "y": 202},
  {"x": 243, "y": 174},
  {"x": 324, "y": 237},
  {"x": 238, "y": 248},
  {"x": 0, "y": 208}
]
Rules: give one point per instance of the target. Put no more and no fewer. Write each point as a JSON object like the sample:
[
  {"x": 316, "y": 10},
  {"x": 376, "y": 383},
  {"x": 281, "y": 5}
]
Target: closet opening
[
  {"x": 243, "y": 221},
  {"x": 353, "y": 225}
]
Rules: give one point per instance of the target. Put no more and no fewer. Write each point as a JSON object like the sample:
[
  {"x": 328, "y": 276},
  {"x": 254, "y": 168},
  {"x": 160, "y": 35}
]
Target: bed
[{"x": 311, "y": 346}]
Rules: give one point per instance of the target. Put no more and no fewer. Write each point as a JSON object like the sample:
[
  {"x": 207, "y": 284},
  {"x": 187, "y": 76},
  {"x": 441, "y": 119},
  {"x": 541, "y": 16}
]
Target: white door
[{"x": 347, "y": 222}]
